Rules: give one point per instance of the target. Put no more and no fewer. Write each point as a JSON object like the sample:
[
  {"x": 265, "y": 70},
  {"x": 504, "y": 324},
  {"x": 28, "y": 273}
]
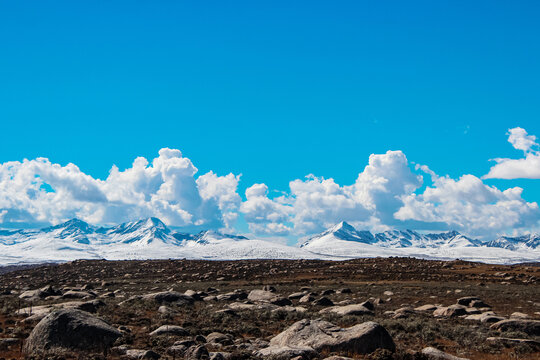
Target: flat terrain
[{"x": 390, "y": 284}]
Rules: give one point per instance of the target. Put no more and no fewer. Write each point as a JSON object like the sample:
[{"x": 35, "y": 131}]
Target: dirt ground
[{"x": 392, "y": 283}]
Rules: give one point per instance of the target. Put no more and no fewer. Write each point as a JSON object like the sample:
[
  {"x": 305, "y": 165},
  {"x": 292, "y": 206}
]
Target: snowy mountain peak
[
  {"x": 390, "y": 238},
  {"x": 340, "y": 231},
  {"x": 143, "y": 231},
  {"x": 71, "y": 225}
]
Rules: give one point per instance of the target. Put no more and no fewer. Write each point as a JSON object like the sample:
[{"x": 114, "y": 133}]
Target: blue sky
[{"x": 270, "y": 90}]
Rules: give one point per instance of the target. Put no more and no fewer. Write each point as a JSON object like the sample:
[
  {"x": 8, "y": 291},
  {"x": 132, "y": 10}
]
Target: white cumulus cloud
[
  {"x": 37, "y": 191},
  {"x": 469, "y": 205},
  {"x": 527, "y": 167}
]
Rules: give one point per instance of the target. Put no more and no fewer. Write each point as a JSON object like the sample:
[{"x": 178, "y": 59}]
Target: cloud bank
[{"x": 388, "y": 193}]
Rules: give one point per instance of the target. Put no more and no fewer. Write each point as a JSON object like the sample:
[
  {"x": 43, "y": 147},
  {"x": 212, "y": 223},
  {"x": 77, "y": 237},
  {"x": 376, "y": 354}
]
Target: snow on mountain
[
  {"x": 343, "y": 240},
  {"x": 144, "y": 239},
  {"x": 389, "y": 239},
  {"x": 141, "y": 233},
  {"x": 529, "y": 241},
  {"x": 152, "y": 239},
  {"x": 340, "y": 231}
]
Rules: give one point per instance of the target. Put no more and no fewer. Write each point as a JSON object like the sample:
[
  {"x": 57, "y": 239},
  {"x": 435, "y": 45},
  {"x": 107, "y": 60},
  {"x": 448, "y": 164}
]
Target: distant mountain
[
  {"x": 341, "y": 231},
  {"x": 151, "y": 239},
  {"x": 143, "y": 239},
  {"x": 389, "y": 239},
  {"x": 142, "y": 232},
  {"x": 529, "y": 241}
]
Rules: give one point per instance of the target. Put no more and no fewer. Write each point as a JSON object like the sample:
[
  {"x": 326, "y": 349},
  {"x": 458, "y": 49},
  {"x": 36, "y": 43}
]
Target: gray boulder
[
  {"x": 529, "y": 327},
  {"x": 450, "y": 311},
  {"x": 324, "y": 336},
  {"x": 262, "y": 295},
  {"x": 436, "y": 354},
  {"x": 219, "y": 338},
  {"x": 141, "y": 354},
  {"x": 40, "y": 293},
  {"x": 197, "y": 352},
  {"x": 354, "y": 309},
  {"x": 166, "y": 297},
  {"x": 71, "y": 329}
]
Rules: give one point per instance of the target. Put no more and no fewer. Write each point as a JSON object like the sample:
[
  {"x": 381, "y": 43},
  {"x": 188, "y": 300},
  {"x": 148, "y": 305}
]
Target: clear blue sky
[{"x": 272, "y": 90}]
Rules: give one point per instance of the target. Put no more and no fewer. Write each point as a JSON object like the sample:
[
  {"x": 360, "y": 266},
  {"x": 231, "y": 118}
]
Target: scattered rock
[
  {"x": 487, "y": 318},
  {"x": 529, "y": 327},
  {"x": 306, "y": 299},
  {"x": 219, "y": 338},
  {"x": 324, "y": 301},
  {"x": 72, "y": 294},
  {"x": 91, "y": 306},
  {"x": 40, "y": 293},
  {"x": 141, "y": 354},
  {"x": 509, "y": 341},
  {"x": 436, "y": 354},
  {"x": 169, "y": 297},
  {"x": 196, "y": 352},
  {"x": 296, "y": 296},
  {"x": 355, "y": 309},
  {"x": 519, "y": 315},
  {"x": 450, "y": 311},
  {"x": 427, "y": 307},
  {"x": 262, "y": 295}
]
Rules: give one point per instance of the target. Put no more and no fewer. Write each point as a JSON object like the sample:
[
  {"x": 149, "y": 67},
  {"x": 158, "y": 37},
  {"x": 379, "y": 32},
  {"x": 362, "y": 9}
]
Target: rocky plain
[{"x": 379, "y": 308}]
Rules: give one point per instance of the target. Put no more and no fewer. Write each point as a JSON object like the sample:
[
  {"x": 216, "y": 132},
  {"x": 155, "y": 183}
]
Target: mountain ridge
[{"x": 151, "y": 238}]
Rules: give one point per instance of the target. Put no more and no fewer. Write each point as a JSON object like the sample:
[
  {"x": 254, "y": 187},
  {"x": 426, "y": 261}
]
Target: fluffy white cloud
[
  {"x": 40, "y": 191},
  {"x": 316, "y": 203},
  {"x": 264, "y": 215},
  {"x": 469, "y": 205},
  {"x": 527, "y": 167},
  {"x": 386, "y": 194}
]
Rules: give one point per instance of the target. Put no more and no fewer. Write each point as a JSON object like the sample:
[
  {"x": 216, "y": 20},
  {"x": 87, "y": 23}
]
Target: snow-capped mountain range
[
  {"x": 152, "y": 239},
  {"x": 390, "y": 239}
]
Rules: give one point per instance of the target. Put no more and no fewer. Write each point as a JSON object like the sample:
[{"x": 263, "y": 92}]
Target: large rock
[
  {"x": 529, "y": 327},
  {"x": 169, "y": 297},
  {"x": 219, "y": 338},
  {"x": 261, "y": 295},
  {"x": 436, "y": 354},
  {"x": 450, "y": 311},
  {"x": 196, "y": 352},
  {"x": 135, "y": 354},
  {"x": 71, "y": 329},
  {"x": 40, "y": 293},
  {"x": 324, "y": 336},
  {"x": 354, "y": 309}
]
